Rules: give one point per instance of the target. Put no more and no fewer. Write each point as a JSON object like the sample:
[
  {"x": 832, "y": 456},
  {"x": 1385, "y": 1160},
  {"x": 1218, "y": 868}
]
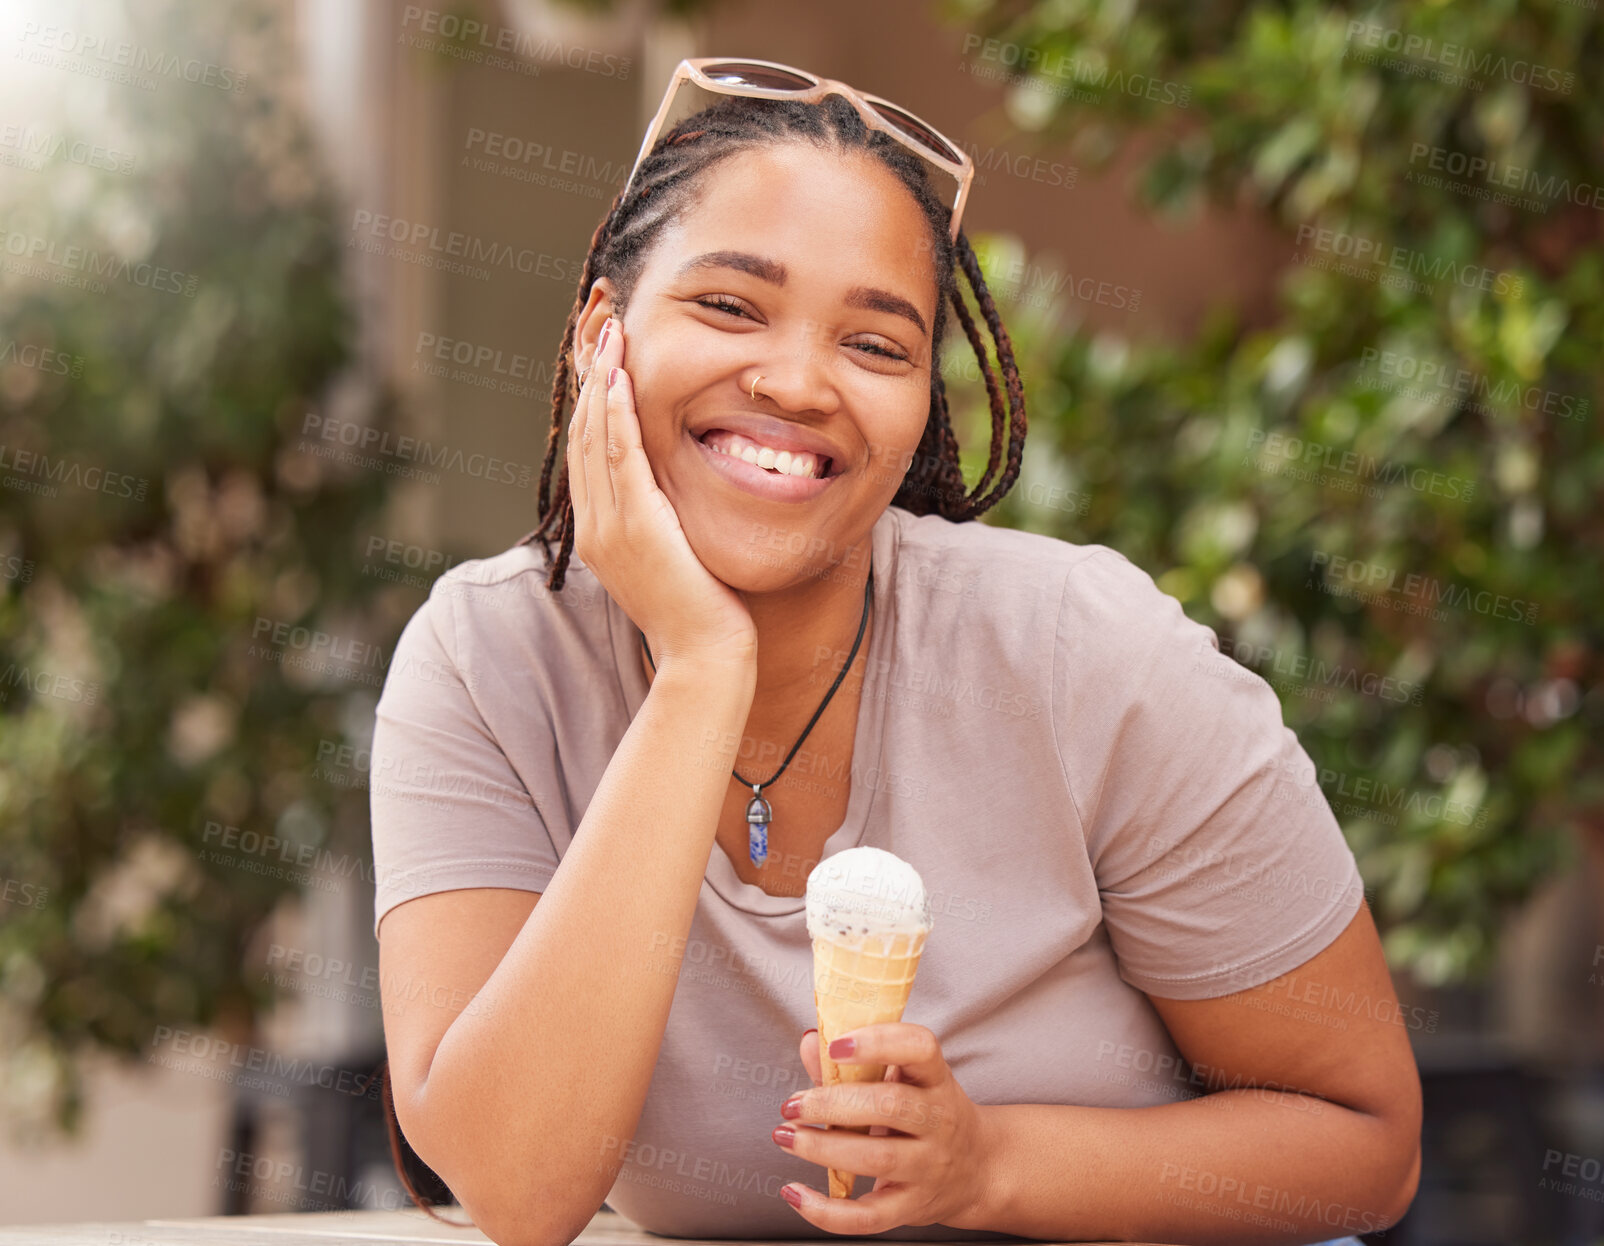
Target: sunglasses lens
[
  {"x": 918, "y": 131},
  {"x": 743, "y": 73}
]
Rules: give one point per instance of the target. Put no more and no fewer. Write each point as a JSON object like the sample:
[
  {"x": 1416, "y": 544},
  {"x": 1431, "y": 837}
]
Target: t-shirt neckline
[{"x": 866, "y": 745}]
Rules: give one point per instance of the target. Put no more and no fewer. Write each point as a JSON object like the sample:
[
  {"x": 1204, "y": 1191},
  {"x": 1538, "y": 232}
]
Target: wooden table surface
[{"x": 356, "y": 1228}]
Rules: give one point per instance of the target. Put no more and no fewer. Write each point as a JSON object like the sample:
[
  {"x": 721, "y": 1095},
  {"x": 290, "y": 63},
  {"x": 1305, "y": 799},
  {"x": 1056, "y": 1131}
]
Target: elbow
[
  {"x": 527, "y": 1224},
  {"x": 1404, "y": 1193}
]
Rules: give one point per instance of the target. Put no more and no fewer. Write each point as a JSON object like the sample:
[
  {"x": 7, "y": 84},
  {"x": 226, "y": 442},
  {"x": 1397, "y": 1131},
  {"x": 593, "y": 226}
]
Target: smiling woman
[{"x": 1153, "y": 1004}]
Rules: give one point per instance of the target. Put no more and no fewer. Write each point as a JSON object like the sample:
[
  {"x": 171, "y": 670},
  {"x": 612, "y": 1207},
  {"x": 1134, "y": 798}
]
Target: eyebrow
[{"x": 870, "y": 298}]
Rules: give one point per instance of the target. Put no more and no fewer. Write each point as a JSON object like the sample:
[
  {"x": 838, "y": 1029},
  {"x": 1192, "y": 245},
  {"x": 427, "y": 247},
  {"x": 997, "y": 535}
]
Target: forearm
[
  {"x": 1231, "y": 1167},
  {"x": 543, "y": 1078}
]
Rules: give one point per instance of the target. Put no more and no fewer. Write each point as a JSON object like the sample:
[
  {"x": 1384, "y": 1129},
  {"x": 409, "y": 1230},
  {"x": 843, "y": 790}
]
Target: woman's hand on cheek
[
  {"x": 628, "y": 534},
  {"x": 927, "y": 1148}
]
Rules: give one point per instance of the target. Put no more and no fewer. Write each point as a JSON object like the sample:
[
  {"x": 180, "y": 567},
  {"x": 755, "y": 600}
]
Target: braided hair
[{"x": 664, "y": 187}]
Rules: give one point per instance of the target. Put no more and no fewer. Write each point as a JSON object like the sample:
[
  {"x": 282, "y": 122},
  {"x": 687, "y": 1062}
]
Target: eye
[
  {"x": 718, "y": 302},
  {"x": 873, "y": 349}
]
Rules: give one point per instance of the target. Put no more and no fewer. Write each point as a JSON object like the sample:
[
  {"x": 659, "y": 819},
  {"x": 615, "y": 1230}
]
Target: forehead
[{"x": 828, "y": 216}]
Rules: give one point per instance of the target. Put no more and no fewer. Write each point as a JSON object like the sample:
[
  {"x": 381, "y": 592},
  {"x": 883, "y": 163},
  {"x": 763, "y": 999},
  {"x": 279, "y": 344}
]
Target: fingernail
[
  {"x": 612, "y": 375},
  {"x": 814, "y": 1030},
  {"x": 785, "y": 1135},
  {"x": 792, "y": 1107},
  {"x": 601, "y": 342},
  {"x": 843, "y": 1047},
  {"x": 791, "y": 1195}
]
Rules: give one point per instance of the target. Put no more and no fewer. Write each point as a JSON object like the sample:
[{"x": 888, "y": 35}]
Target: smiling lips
[{"x": 781, "y": 462}]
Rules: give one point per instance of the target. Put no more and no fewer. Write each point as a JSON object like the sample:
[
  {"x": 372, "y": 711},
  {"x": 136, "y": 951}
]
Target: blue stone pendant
[{"x": 757, "y": 829}]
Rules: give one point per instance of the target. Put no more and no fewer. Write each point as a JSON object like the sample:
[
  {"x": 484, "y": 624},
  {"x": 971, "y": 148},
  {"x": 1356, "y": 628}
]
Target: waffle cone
[{"x": 858, "y": 982}]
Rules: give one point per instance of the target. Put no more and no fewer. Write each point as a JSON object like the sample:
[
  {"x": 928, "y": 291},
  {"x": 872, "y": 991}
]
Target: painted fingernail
[
  {"x": 814, "y": 1030},
  {"x": 792, "y": 1107},
  {"x": 791, "y": 1195},
  {"x": 843, "y": 1047},
  {"x": 601, "y": 342},
  {"x": 785, "y": 1135},
  {"x": 612, "y": 375}
]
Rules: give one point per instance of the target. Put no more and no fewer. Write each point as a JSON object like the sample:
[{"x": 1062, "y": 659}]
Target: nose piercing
[{"x": 754, "y": 386}]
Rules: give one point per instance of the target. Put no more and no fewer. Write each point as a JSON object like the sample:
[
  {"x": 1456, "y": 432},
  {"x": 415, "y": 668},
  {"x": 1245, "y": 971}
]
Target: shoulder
[
  {"x": 1019, "y": 568},
  {"x": 500, "y": 606}
]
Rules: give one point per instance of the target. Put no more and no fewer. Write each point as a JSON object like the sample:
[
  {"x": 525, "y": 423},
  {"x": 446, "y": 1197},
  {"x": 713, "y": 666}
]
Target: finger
[
  {"x": 810, "y": 1056},
  {"x": 893, "y": 1157},
  {"x": 593, "y": 440},
  {"x": 876, "y": 1212},
  {"x": 624, "y": 440},
  {"x": 578, "y": 488},
  {"x": 913, "y": 1048},
  {"x": 900, "y": 1108}
]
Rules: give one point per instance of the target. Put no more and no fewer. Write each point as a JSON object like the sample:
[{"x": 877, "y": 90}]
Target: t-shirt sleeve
[
  {"x": 447, "y": 808},
  {"x": 1219, "y": 863}
]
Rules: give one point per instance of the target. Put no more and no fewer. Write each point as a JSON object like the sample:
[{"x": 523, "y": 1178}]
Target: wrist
[{"x": 989, "y": 1192}]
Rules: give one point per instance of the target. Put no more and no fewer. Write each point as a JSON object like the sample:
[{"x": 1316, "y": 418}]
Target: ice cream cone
[{"x": 864, "y": 980}]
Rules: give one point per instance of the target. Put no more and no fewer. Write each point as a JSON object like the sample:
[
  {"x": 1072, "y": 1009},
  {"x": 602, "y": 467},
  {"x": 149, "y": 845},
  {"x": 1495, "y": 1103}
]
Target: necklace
[{"x": 759, "y": 816}]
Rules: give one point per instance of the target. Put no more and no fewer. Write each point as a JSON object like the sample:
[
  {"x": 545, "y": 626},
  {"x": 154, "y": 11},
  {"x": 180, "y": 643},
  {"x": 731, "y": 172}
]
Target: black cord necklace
[{"x": 758, "y": 814}]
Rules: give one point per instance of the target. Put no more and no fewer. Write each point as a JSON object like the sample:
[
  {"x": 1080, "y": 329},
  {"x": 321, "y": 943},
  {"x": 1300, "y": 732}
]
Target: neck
[{"x": 805, "y": 633}]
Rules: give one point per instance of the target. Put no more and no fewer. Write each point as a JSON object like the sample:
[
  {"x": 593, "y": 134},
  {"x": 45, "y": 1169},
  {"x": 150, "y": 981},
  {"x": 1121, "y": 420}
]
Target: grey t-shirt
[{"x": 1100, "y": 803}]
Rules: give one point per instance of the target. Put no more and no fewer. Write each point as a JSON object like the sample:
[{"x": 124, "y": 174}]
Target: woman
[{"x": 1153, "y": 1004}]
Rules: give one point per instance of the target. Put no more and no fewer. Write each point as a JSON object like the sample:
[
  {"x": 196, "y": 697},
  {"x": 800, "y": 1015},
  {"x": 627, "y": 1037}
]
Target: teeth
[{"x": 783, "y": 462}]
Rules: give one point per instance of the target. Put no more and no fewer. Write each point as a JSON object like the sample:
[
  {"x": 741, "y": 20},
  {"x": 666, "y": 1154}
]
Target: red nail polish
[
  {"x": 601, "y": 342},
  {"x": 843, "y": 1047},
  {"x": 785, "y": 1135},
  {"x": 612, "y": 375},
  {"x": 791, "y": 1195},
  {"x": 791, "y": 1108}
]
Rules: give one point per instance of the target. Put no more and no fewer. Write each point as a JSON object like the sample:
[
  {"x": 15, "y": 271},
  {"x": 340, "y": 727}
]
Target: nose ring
[{"x": 754, "y": 386}]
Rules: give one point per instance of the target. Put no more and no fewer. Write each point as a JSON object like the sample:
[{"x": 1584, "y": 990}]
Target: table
[{"x": 325, "y": 1228}]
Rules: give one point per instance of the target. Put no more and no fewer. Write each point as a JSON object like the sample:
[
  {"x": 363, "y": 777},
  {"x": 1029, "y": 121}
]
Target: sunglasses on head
[{"x": 694, "y": 80}]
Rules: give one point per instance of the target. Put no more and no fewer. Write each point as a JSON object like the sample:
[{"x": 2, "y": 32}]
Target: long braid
[{"x": 933, "y": 483}]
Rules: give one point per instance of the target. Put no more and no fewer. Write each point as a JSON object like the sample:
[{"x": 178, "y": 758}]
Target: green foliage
[
  {"x": 138, "y": 705},
  {"x": 1432, "y": 328}
]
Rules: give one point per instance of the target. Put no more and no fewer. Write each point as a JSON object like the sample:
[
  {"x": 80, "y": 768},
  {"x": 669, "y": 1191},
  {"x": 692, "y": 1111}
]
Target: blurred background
[{"x": 1307, "y": 303}]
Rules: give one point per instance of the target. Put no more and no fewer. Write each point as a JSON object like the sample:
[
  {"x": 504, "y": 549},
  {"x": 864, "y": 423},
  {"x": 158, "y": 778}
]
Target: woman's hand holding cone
[{"x": 927, "y": 1144}]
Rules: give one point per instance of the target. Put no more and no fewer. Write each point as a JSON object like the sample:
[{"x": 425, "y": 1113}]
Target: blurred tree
[
  {"x": 169, "y": 318},
  {"x": 1396, "y": 478}
]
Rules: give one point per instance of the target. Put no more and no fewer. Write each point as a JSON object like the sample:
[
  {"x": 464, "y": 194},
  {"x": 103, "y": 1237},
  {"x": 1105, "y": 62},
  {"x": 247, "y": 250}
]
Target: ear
[{"x": 588, "y": 324}]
